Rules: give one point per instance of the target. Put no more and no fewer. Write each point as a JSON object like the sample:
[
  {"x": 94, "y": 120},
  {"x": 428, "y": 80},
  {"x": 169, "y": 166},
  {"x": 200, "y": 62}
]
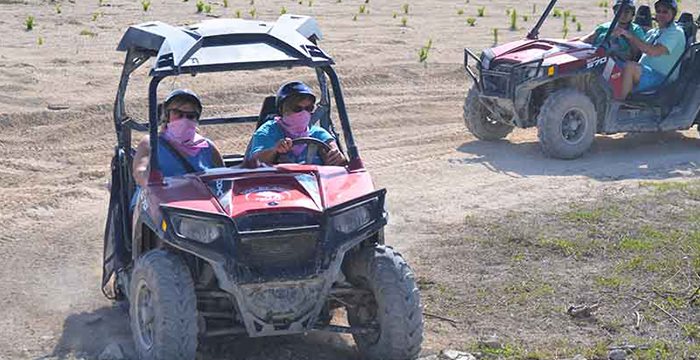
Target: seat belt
[{"x": 185, "y": 163}]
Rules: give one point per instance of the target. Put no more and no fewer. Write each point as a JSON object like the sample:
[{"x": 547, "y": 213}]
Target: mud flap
[{"x": 117, "y": 237}]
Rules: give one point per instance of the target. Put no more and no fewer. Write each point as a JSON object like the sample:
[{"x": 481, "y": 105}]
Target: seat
[
  {"x": 268, "y": 109},
  {"x": 685, "y": 21}
]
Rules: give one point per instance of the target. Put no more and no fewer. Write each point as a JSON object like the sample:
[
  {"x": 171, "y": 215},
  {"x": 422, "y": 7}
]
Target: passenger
[
  {"x": 619, "y": 47},
  {"x": 661, "y": 50},
  {"x": 295, "y": 104},
  {"x": 180, "y": 148},
  {"x": 643, "y": 18}
]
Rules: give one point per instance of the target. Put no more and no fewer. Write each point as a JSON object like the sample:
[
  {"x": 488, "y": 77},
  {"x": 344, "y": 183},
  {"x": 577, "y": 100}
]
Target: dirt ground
[{"x": 455, "y": 202}]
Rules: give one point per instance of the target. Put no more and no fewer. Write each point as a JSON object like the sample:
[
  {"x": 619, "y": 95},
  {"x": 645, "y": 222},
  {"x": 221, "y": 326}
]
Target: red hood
[
  {"x": 553, "y": 51},
  {"x": 285, "y": 187}
]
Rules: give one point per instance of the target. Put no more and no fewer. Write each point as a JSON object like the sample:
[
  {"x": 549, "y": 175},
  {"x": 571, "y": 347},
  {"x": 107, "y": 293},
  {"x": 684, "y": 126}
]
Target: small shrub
[
  {"x": 404, "y": 7},
  {"x": 404, "y": 21},
  {"x": 573, "y": 19},
  {"x": 29, "y": 23},
  {"x": 146, "y": 4},
  {"x": 394, "y": 15},
  {"x": 525, "y": 18},
  {"x": 480, "y": 11},
  {"x": 460, "y": 12},
  {"x": 424, "y": 51},
  {"x": 40, "y": 41},
  {"x": 495, "y": 36},
  {"x": 363, "y": 8},
  {"x": 283, "y": 11},
  {"x": 225, "y": 3},
  {"x": 471, "y": 21},
  {"x": 513, "y": 20},
  {"x": 200, "y": 6},
  {"x": 207, "y": 8},
  {"x": 58, "y": 8},
  {"x": 567, "y": 13},
  {"x": 253, "y": 13},
  {"x": 578, "y": 26},
  {"x": 556, "y": 13},
  {"x": 86, "y": 32},
  {"x": 238, "y": 14}
]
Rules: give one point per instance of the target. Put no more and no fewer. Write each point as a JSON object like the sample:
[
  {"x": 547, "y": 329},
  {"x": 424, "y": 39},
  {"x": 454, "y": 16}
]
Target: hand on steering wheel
[{"x": 323, "y": 148}]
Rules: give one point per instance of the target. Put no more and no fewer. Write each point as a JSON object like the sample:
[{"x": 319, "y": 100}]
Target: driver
[
  {"x": 295, "y": 103},
  {"x": 619, "y": 46},
  {"x": 661, "y": 50},
  {"x": 180, "y": 148}
]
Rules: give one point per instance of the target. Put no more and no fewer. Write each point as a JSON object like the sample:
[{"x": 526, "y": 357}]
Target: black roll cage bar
[
  {"x": 535, "y": 32},
  {"x": 137, "y": 57}
]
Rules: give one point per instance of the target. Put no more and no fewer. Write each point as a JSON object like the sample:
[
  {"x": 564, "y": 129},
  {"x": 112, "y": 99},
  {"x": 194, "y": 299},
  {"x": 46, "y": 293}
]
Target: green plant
[
  {"x": 207, "y": 8},
  {"x": 354, "y": 17},
  {"x": 58, "y": 8},
  {"x": 404, "y": 7},
  {"x": 394, "y": 15},
  {"x": 200, "y": 6},
  {"x": 480, "y": 11},
  {"x": 471, "y": 21},
  {"x": 404, "y": 21},
  {"x": 495, "y": 36},
  {"x": 40, "y": 41},
  {"x": 96, "y": 15},
  {"x": 578, "y": 26},
  {"x": 565, "y": 31},
  {"x": 460, "y": 12},
  {"x": 86, "y": 32},
  {"x": 145, "y": 4},
  {"x": 525, "y": 18},
  {"x": 29, "y": 22},
  {"x": 283, "y": 11},
  {"x": 311, "y": 2},
  {"x": 225, "y": 3},
  {"x": 556, "y": 13},
  {"x": 573, "y": 19},
  {"x": 238, "y": 14},
  {"x": 424, "y": 51},
  {"x": 363, "y": 8},
  {"x": 253, "y": 12},
  {"x": 513, "y": 20}
]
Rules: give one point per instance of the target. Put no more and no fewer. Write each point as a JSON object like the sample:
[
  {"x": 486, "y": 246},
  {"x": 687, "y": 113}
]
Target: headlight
[
  {"x": 355, "y": 218},
  {"x": 198, "y": 229}
]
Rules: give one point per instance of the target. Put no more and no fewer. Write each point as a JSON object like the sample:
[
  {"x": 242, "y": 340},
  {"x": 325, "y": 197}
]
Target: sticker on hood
[{"x": 266, "y": 193}]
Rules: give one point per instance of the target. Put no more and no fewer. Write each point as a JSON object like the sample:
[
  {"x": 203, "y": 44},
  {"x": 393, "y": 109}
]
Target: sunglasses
[
  {"x": 190, "y": 115},
  {"x": 663, "y": 11},
  {"x": 298, "y": 109}
]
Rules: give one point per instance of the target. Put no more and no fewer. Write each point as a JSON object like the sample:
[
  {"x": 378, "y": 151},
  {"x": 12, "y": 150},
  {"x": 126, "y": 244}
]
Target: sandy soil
[{"x": 407, "y": 119}]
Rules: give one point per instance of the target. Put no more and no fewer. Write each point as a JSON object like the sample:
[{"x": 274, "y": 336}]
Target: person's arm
[
  {"x": 269, "y": 155},
  {"x": 140, "y": 165},
  {"x": 657, "y": 49},
  {"x": 590, "y": 37},
  {"x": 333, "y": 156}
]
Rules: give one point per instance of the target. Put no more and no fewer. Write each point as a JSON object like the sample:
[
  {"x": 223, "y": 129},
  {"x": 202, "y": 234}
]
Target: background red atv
[
  {"x": 240, "y": 251},
  {"x": 566, "y": 89}
]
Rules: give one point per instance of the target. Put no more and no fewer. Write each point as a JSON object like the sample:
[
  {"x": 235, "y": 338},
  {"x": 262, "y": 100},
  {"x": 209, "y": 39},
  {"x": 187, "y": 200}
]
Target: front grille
[
  {"x": 271, "y": 221},
  {"x": 293, "y": 249}
]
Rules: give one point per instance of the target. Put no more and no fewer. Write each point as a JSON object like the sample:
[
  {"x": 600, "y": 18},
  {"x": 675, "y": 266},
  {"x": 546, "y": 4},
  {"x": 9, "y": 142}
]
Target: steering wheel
[{"x": 323, "y": 147}]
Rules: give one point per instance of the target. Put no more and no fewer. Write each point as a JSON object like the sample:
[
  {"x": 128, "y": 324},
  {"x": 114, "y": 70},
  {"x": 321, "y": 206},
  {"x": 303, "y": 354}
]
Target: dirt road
[{"x": 406, "y": 117}]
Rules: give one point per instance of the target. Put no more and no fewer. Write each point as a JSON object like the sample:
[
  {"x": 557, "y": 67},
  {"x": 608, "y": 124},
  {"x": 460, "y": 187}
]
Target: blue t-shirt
[
  {"x": 171, "y": 165},
  {"x": 618, "y": 44},
  {"x": 671, "y": 37},
  {"x": 269, "y": 133}
]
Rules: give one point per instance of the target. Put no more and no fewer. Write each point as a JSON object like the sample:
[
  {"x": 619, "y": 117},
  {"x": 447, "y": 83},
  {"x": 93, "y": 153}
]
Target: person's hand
[
  {"x": 618, "y": 31},
  {"x": 333, "y": 157},
  {"x": 283, "y": 146}
]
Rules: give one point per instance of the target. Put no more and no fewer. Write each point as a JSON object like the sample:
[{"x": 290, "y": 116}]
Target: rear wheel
[
  {"x": 163, "y": 308},
  {"x": 566, "y": 124},
  {"x": 393, "y": 307},
  {"x": 478, "y": 122}
]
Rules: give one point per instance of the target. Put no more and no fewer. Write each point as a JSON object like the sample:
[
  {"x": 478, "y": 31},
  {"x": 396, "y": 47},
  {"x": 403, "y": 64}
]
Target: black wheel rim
[
  {"x": 145, "y": 315},
  {"x": 573, "y": 126}
]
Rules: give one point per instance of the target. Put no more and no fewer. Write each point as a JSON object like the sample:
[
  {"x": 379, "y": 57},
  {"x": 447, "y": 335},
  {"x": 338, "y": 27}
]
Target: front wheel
[
  {"x": 566, "y": 125},
  {"x": 478, "y": 122},
  {"x": 163, "y": 308},
  {"x": 393, "y": 307}
]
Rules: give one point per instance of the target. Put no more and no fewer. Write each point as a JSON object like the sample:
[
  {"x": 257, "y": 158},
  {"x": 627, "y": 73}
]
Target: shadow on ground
[
  {"x": 634, "y": 156},
  {"x": 86, "y": 335}
]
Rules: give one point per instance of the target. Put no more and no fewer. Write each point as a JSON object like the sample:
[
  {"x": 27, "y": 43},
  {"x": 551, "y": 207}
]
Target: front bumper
[
  {"x": 501, "y": 80},
  {"x": 277, "y": 293}
]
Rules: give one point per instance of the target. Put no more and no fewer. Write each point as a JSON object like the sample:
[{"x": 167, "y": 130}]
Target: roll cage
[{"x": 224, "y": 45}]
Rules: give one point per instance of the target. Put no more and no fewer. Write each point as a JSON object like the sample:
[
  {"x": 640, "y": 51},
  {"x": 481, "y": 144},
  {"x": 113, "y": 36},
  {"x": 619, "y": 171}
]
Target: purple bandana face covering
[
  {"x": 182, "y": 134},
  {"x": 296, "y": 125}
]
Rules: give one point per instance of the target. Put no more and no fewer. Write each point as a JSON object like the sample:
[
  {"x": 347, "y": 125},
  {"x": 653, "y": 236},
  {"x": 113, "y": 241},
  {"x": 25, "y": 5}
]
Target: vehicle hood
[
  {"x": 550, "y": 51},
  {"x": 288, "y": 187}
]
